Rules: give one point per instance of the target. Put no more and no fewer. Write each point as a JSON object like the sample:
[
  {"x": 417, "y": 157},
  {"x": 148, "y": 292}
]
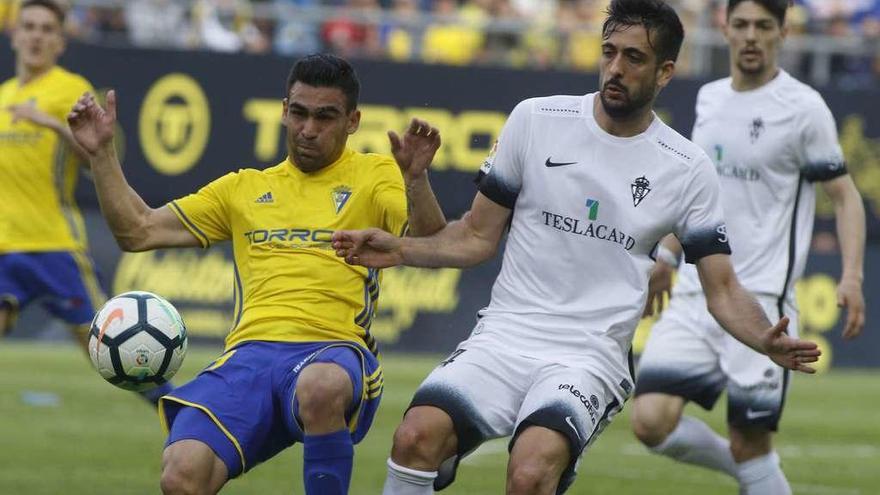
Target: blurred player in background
[
  {"x": 43, "y": 247},
  {"x": 300, "y": 364},
  {"x": 771, "y": 138},
  {"x": 588, "y": 186}
]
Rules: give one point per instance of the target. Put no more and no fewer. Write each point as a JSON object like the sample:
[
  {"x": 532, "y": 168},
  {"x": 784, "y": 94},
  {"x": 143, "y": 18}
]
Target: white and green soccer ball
[{"x": 137, "y": 341}]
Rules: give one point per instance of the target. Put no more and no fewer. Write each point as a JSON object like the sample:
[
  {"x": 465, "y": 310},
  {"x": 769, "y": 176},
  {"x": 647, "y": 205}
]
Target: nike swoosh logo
[
  {"x": 757, "y": 414},
  {"x": 551, "y": 163},
  {"x": 573, "y": 427}
]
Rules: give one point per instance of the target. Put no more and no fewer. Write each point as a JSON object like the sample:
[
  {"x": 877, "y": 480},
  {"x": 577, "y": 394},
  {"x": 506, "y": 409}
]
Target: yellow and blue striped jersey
[
  {"x": 289, "y": 285},
  {"x": 38, "y": 172}
]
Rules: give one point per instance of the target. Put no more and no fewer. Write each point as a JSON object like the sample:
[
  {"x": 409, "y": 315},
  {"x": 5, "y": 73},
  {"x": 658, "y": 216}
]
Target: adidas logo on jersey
[{"x": 265, "y": 198}]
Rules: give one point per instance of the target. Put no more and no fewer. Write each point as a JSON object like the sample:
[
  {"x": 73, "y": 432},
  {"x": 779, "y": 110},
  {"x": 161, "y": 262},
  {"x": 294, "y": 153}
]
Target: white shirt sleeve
[
  {"x": 822, "y": 157},
  {"x": 500, "y": 176},
  {"x": 701, "y": 228}
]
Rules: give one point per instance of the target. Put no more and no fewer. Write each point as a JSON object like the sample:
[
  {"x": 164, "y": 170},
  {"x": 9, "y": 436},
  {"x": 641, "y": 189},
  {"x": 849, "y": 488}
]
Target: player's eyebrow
[{"x": 324, "y": 109}]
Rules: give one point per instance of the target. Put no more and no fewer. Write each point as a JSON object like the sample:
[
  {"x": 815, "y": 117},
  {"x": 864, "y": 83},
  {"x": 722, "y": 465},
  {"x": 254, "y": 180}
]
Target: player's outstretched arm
[
  {"x": 741, "y": 315},
  {"x": 849, "y": 210},
  {"x": 136, "y": 226},
  {"x": 414, "y": 152},
  {"x": 460, "y": 244},
  {"x": 30, "y": 112}
]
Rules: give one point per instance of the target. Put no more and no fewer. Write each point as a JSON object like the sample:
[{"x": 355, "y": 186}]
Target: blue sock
[
  {"x": 152, "y": 396},
  {"x": 327, "y": 463}
]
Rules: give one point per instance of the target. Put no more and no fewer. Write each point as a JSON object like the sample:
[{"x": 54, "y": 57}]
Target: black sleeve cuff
[
  {"x": 824, "y": 171},
  {"x": 705, "y": 243},
  {"x": 497, "y": 191}
]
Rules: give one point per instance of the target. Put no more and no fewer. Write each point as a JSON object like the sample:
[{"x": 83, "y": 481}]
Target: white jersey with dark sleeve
[
  {"x": 769, "y": 146},
  {"x": 588, "y": 211}
]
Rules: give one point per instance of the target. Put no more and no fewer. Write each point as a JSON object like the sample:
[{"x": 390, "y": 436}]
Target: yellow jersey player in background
[
  {"x": 300, "y": 364},
  {"x": 43, "y": 248}
]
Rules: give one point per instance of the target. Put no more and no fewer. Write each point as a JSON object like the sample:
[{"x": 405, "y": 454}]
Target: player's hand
[
  {"x": 415, "y": 151},
  {"x": 91, "y": 125},
  {"x": 788, "y": 352},
  {"x": 849, "y": 296},
  {"x": 659, "y": 289},
  {"x": 373, "y": 248},
  {"x": 32, "y": 114}
]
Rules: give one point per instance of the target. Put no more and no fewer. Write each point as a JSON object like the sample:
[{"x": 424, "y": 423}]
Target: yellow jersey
[
  {"x": 289, "y": 285},
  {"x": 38, "y": 172}
]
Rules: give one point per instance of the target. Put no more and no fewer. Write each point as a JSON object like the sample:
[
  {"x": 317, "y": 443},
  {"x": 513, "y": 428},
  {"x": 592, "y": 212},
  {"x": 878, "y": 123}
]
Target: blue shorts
[
  {"x": 64, "y": 281},
  {"x": 242, "y": 405}
]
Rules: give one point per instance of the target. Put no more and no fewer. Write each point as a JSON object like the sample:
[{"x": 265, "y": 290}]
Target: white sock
[
  {"x": 762, "y": 476},
  {"x": 405, "y": 481},
  {"x": 694, "y": 442}
]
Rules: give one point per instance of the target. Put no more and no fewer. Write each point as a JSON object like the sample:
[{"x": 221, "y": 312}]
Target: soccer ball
[{"x": 137, "y": 341}]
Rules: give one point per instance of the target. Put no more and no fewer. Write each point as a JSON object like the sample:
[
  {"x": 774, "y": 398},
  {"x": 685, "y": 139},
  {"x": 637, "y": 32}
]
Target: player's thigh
[
  {"x": 537, "y": 460},
  {"x": 192, "y": 465},
  {"x": 237, "y": 393},
  {"x": 343, "y": 378},
  {"x": 576, "y": 403},
  {"x": 681, "y": 356},
  {"x": 480, "y": 388},
  {"x": 757, "y": 386}
]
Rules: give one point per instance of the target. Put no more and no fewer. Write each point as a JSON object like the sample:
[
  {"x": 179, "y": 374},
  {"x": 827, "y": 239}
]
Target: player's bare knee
[
  {"x": 425, "y": 439},
  {"x": 534, "y": 475},
  {"x": 187, "y": 469},
  {"x": 654, "y": 418},
  {"x": 649, "y": 428},
  {"x": 5, "y": 318},
  {"x": 416, "y": 445},
  {"x": 323, "y": 393},
  {"x": 180, "y": 478}
]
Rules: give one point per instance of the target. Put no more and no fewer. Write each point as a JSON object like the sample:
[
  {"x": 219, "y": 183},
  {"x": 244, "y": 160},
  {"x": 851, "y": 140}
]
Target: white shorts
[
  {"x": 688, "y": 354},
  {"x": 491, "y": 393}
]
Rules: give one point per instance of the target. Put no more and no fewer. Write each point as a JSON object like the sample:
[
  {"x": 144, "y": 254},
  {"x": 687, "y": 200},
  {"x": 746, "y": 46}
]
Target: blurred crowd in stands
[{"x": 519, "y": 33}]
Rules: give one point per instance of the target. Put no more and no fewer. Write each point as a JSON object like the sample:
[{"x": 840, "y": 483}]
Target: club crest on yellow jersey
[{"x": 341, "y": 194}]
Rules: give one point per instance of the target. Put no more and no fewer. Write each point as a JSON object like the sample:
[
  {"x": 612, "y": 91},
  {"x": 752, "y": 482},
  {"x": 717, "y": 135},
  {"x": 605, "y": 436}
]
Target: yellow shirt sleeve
[
  {"x": 389, "y": 198},
  {"x": 207, "y": 213}
]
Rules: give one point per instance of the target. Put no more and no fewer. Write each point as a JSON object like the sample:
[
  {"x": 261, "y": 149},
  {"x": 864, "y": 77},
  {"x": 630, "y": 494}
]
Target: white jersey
[
  {"x": 768, "y": 145},
  {"x": 588, "y": 211}
]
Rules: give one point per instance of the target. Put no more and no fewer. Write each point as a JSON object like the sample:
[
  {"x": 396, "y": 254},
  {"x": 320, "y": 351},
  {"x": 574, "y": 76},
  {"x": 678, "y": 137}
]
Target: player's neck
[
  {"x": 629, "y": 126},
  {"x": 27, "y": 74},
  {"x": 741, "y": 81}
]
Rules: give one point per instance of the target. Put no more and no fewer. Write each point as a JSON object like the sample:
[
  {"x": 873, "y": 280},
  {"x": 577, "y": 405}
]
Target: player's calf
[{"x": 749, "y": 443}]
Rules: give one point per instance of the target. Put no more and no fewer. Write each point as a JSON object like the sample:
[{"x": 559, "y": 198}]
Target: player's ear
[
  {"x": 284, "y": 104},
  {"x": 354, "y": 121},
  {"x": 665, "y": 71}
]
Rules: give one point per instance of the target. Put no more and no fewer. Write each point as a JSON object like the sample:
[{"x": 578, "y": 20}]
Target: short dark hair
[
  {"x": 56, "y": 9},
  {"x": 665, "y": 32},
  {"x": 327, "y": 71},
  {"x": 776, "y": 7}
]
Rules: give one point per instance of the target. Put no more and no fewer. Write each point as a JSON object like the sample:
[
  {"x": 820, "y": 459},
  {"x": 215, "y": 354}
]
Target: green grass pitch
[{"x": 96, "y": 439}]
